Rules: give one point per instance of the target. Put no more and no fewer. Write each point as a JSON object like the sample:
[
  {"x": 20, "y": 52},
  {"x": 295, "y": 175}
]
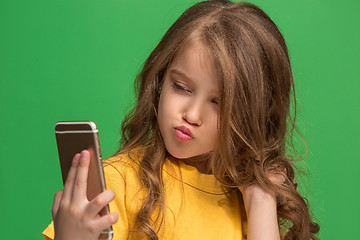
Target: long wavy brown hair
[{"x": 256, "y": 127}]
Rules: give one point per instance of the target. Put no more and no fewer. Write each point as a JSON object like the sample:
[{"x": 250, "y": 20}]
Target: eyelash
[
  {"x": 177, "y": 86},
  {"x": 180, "y": 87},
  {"x": 215, "y": 102}
]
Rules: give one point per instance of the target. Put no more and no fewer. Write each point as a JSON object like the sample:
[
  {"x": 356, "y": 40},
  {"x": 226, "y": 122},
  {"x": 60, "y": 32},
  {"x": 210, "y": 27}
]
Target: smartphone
[{"x": 72, "y": 137}]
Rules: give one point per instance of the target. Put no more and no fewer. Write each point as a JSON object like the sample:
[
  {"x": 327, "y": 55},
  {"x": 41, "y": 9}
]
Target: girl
[{"x": 203, "y": 152}]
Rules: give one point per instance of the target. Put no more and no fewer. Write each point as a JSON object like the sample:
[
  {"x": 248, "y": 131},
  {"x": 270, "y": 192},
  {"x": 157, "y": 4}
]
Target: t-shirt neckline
[{"x": 191, "y": 176}]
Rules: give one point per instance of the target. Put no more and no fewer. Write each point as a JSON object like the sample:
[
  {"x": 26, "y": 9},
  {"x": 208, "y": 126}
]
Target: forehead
[{"x": 194, "y": 62}]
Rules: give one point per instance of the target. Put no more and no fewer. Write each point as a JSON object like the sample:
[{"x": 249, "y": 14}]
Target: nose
[{"x": 193, "y": 113}]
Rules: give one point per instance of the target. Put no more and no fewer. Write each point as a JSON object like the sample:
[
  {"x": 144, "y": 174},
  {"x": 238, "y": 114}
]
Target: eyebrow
[{"x": 182, "y": 74}]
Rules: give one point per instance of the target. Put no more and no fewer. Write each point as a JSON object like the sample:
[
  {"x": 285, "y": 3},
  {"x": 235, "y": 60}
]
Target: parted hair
[{"x": 256, "y": 126}]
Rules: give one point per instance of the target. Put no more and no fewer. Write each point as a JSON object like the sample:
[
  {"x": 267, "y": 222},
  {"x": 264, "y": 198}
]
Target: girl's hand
[
  {"x": 74, "y": 216},
  {"x": 255, "y": 192},
  {"x": 260, "y": 206}
]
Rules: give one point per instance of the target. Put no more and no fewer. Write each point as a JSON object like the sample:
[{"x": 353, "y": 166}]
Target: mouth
[{"x": 183, "y": 133}]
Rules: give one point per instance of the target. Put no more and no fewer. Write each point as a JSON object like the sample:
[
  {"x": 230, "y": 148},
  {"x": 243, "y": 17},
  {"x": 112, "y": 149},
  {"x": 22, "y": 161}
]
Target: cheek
[
  {"x": 213, "y": 131},
  {"x": 169, "y": 104},
  {"x": 162, "y": 108},
  {"x": 161, "y": 112},
  {"x": 165, "y": 109}
]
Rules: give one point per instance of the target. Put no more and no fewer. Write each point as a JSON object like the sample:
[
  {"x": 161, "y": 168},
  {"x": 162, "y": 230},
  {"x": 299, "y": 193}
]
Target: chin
[
  {"x": 177, "y": 153},
  {"x": 180, "y": 155}
]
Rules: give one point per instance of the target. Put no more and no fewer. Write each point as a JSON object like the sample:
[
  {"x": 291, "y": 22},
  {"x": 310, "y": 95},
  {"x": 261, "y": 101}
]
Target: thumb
[{"x": 56, "y": 203}]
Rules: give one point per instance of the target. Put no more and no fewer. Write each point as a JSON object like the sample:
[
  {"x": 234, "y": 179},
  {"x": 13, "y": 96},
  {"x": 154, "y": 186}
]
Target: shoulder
[
  {"x": 123, "y": 161},
  {"x": 121, "y": 171}
]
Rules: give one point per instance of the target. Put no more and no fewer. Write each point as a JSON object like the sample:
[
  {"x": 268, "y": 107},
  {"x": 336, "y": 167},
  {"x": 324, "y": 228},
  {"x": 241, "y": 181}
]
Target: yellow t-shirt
[{"x": 196, "y": 205}]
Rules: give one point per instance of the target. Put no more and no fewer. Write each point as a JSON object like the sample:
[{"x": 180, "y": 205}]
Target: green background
[{"x": 76, "y": 60}]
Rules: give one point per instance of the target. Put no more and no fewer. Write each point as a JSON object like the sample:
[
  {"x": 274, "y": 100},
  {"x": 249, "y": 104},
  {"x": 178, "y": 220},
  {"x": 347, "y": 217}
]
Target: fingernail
[
  {"x": 76, "y": 158},
  {"x": 85, "y": 154},
  {"x": 115, "y": 217}
]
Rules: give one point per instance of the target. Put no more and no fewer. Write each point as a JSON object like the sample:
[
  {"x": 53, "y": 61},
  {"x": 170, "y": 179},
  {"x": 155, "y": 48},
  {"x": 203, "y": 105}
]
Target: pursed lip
[{"x": 185, "y": 130}]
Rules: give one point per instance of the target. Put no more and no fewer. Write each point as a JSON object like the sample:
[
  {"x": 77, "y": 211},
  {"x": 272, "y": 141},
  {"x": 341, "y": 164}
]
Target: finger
[
  {"x": 69, "y": 183},
  {"x": 56, "y": 203},
  {"x": 80, "y": 181},
  {"x": 99, "y": 202},
  {"x": 278, "y": 178},
  {"x": 106, "y": 221}
]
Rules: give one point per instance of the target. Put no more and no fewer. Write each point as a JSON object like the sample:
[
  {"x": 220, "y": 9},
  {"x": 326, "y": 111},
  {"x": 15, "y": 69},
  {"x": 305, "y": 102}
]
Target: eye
[
  {"x": 180, "y": 87},
  {"x": 215, "y": 101}
]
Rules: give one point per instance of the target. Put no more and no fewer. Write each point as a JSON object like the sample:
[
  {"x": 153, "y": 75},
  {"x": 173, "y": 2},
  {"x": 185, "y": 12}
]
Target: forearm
[{"x": 262, "y": 215}]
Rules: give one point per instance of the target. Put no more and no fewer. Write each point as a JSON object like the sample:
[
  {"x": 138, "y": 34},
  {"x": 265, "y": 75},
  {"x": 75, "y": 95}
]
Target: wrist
[
  {"x": 256, "y": 196},
  {"x": 260, "y": 206}
]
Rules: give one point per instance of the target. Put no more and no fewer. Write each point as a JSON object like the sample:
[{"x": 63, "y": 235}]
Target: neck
[{"x": 200, "y": 162}]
